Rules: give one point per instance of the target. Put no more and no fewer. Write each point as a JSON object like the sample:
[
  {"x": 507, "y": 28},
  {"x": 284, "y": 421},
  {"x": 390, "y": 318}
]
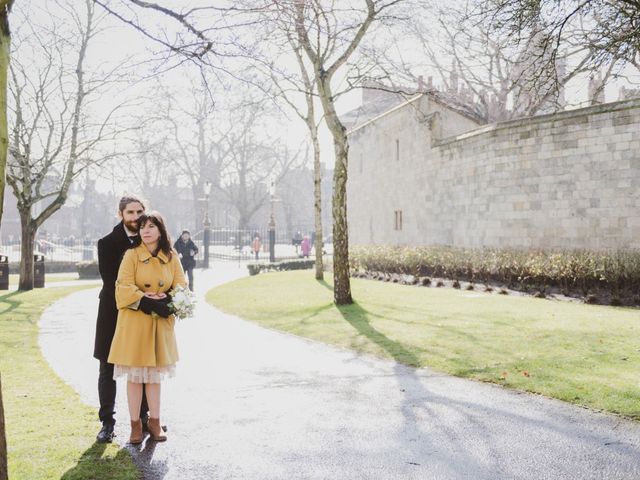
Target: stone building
[{"x": 422, "y": 173}]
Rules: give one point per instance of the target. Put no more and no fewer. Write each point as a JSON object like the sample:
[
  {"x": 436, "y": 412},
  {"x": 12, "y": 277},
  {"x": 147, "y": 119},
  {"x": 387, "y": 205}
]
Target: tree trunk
[
  {"x": 4, "y": 67},
  {"x": 317, "y": 188},
  {"x": 198, "y": 207},
  {"x": 341, "y": 283},
  {"x": 3, "y": 441},
  {"x": 26, "y": 256},
  {"x": 243, "y": 221}
]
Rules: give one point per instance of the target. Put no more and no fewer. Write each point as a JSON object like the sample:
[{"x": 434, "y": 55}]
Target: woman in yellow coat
[{"x": 144, "y": 345}]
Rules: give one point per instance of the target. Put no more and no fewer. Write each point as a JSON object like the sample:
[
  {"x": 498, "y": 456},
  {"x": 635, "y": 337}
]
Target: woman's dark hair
[{"x": 164, "y": 242}]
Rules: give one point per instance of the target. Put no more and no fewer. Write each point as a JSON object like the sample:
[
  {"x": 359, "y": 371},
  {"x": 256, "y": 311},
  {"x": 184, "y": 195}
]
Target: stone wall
[{"x": 568, "y": 180}]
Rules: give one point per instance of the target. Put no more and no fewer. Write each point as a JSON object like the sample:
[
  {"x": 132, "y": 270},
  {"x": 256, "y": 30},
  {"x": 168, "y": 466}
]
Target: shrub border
[{"x": 596, "y": 277}]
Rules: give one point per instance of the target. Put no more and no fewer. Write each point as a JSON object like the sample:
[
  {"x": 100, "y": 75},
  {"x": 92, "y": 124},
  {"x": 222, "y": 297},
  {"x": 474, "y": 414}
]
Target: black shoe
[{"x": 106, "y": 433}]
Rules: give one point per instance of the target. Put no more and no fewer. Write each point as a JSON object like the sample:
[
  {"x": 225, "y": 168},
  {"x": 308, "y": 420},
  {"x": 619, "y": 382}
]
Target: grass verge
[
  {"x": 50, "y": 433},
  {"x": 584, "y": 354},
  {"x": 14, "y": 278}
]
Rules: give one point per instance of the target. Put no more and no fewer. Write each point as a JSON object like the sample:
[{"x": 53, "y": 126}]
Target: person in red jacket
[{"x": 256, "y": 245}]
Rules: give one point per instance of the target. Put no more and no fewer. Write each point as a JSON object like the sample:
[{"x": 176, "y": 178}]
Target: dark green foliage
[
  {"x": 256, "y": 268},
  {"x": 88, "y": 270}
]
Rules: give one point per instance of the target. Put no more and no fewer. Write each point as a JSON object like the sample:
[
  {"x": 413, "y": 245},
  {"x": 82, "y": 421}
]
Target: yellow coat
[{"x": 141, "y": 340}]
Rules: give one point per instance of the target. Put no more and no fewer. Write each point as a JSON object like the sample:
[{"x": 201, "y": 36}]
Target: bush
[
  {"x": 256, "y": 268},
  {"x": 577, "y": 271},
  {"x": 88, "y": 270}
]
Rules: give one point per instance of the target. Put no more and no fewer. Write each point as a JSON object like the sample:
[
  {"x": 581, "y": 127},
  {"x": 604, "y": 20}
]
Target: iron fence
[
  {"x": 225, "y": 244},
  {"x": 82, "y": 251}
]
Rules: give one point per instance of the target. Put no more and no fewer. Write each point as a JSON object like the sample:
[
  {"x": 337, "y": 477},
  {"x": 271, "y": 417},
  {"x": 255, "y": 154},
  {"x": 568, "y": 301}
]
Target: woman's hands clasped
[{"x": 157, "y": 303}]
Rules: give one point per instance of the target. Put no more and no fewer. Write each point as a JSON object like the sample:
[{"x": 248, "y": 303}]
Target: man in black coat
[
  {"x": 111, "y": 249},
  {"x": 187, "y": 251}
]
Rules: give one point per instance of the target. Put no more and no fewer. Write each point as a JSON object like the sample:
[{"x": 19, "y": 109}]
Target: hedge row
[
  {"x": 577, "y": 270},
  {"x": 256, "y": 268},
  {"x": 49, "y": 267},
  {"x": 88, "y": 270}
]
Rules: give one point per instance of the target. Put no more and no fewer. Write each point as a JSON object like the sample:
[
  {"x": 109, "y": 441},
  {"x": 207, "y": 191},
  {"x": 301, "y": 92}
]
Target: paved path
[{"x": 250, "y": 403}]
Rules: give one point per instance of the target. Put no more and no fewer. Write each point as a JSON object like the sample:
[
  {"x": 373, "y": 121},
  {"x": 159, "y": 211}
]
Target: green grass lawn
[
  {"x": 50, "y": 433},
  {"x": 14, "y": 277},
  {"x": 584, "y": 354}
]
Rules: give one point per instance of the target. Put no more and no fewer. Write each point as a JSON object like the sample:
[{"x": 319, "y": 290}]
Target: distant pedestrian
[
  {"x": 305, "y": 246},
  {"x": 256, "y": 245},
  {"x": 187, "y": 251},
  {"x": 297, "y": 240}
]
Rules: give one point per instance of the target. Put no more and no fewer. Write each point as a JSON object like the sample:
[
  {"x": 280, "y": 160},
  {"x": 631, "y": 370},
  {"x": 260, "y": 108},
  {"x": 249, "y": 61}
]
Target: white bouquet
[{"x": 182, "y": 302}]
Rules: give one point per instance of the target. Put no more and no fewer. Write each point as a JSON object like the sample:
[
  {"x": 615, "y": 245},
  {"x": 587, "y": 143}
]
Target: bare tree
[
  {"x": 613, "y": 31},
  {"x": 329, "y": 36},
  {"x": 329, "y": 33},
  {"x": 5, "y": 48},
  {"x": 147, "y": 172},
  {"x": 53, "y": 137},
  {"x": 253, "y": 162},
  {"x": 602, "y": 34},
  {"x": 196, "y": 140},
  {"x": 297, "y": 90},
  {"x": 3, "y": 441},
  {"x": 479, "y": 70},
  {"x": 5, "y": 52},
  {"x": 309, "y": 118}
]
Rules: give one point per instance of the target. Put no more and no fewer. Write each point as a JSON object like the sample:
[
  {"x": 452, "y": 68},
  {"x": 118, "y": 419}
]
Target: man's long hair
[
  {"x": 127, "y": 199},
  {"x": 164, "y": 242}
]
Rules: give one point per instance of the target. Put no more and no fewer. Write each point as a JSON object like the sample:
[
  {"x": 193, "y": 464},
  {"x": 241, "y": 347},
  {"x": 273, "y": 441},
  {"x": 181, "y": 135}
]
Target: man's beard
[{"x": 132, "y": 226}]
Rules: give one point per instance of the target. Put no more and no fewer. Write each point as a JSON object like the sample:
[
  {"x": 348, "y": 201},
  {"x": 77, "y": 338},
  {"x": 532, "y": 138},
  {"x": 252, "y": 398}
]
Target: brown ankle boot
[
  {"x": 136, "y": 432},
  {"x": 155, "y": 430}
]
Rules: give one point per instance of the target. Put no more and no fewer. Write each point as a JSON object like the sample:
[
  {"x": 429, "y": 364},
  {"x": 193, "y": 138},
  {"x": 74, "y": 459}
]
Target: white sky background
[
  {"x": 120, "y": 42},
  {"x": 124, "y": 41}
]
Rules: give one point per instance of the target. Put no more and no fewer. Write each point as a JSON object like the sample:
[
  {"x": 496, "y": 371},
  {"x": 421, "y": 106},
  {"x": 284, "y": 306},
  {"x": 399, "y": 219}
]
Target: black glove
[
  {"x": 146, "y": 305},
  {"x": 161, "y": 307}
]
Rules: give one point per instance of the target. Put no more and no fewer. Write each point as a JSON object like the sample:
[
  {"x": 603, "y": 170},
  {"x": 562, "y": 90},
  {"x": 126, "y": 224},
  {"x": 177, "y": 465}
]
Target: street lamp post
[
  {"x": 272, "y": 223},
  {"x": 206, "y": 223}
]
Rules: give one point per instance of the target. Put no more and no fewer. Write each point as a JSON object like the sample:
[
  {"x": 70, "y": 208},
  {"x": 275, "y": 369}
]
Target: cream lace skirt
[{"x": 144, "y": 374}]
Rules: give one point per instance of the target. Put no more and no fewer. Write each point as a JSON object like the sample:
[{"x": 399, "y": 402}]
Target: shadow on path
[
  {"x": 143, "y": 457},
  {"x": 419, "y": 416}
]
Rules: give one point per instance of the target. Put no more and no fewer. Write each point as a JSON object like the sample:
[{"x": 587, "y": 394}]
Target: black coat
[
  {"x": 111, "y": 249},
  {"x": 185, "y": 248}
]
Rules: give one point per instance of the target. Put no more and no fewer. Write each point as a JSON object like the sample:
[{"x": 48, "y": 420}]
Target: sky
[
  {"x": 118, "y": 43},
  {"x": 121, "y": 39}
]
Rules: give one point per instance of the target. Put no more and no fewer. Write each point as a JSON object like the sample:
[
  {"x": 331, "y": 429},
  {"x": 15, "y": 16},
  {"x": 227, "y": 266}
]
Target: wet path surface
[{"x": 250, "y": 403}]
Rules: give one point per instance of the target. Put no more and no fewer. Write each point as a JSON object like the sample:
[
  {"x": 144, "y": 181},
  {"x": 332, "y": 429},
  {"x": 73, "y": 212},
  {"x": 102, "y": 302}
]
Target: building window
[
  {"x": 398, "y": 220},
  {"x": 397, "y": 150}
]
